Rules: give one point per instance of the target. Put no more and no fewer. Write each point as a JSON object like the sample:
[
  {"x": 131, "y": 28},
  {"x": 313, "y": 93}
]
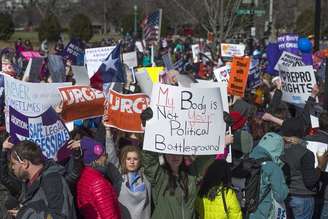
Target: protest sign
[
  {"x": 74, "y": 51},
  {"x": 185, "y": 121},
  {"x": 81, "y": 102},
  {"x": 33, "y": 69},
  {"x": 46, "y": 130},
  {"x": 317, "y": 148},
  {"x": 254, "y": 78},
  {"x": 212, "y": 84},
  {"x": 195, "y": 52},
  {"x": 222, "y": 74},
  {"x": 167, "y": 61},
  {"x": 94, "y": 57},
  {"x": 30, "y": 54},
  {"x": 273, "y": 55},
  {"x": 56, "y": 68},
  {"x": 288, "y": 60},
  {"x": 139, "y": 46},
  {"x": 238, "y": 76},
  {"x": 288, "y": 43},
  {"x": 145, "y": 82},
  {"x": 80, "y": 75},
  {"x": 297, "y": 83},
  {"x": 130, "y": 59},
  {"x": 153, "y": 72},
  {"x": 230, "y": 50},
  {"x": 123, "y": 111},
  {"x": 32, "y": 99}
]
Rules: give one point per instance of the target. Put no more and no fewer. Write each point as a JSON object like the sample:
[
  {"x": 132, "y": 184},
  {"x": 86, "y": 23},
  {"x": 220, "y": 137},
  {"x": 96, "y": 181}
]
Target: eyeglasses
[{"x": 20, "y": 160}]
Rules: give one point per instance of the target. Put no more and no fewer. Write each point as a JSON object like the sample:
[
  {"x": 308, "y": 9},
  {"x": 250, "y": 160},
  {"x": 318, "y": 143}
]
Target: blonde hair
[{"x": 124, "y": 153}]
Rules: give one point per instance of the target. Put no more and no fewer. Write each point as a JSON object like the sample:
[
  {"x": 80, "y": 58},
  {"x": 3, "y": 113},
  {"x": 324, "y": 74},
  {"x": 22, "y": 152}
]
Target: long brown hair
[{"x": 124, "y": 153}]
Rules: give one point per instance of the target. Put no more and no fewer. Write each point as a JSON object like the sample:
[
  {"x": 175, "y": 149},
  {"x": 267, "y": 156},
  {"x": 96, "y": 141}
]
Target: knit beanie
[{"x": 92, "y": 150}]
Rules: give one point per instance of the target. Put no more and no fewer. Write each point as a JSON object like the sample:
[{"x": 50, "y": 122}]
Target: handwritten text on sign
[
  {"x": 46, "y": 130},
  {"x": 238, "y": 76},
  {"x": 185, "y": 121},
  {"x": 123, "y": 111}
]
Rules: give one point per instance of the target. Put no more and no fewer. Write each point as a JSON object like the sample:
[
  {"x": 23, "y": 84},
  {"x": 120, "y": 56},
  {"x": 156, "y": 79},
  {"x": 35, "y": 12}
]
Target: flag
[
  {"x": 151, "y": 26},
  {"x": 110, "y": 70}
]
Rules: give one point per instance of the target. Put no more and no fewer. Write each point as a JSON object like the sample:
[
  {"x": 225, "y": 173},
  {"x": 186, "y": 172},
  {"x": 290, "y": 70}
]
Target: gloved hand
[{"x": 146, "y": 115}]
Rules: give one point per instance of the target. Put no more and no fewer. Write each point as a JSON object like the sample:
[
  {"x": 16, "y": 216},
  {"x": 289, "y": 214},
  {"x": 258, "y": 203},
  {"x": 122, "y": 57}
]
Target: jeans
[
  {"x": 302, "y": 207},
  {"x": 324, "y": 210}
]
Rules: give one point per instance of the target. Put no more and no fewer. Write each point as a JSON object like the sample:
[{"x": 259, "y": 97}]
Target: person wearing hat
[{"x": 96, "y": 197}]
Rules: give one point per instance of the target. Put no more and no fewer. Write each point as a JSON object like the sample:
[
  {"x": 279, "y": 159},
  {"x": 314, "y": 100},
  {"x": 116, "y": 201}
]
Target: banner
[
  {"x": 223, "y": 73},
  {"x": 81, "y": 102},
  {"x": 80, "y": 75},
  {"x": 30, "y": 54},
  {"x": 238, "y": 76},
  {"x": 123, "y": 111},
  {"x": 186, "y": 121},
  {"x": 230, "y": 50},
  {"x": 254, "y": 78},
  {"x": 289, "y": 60},
  {"x": 94, "y": 57},
  {"x": 46, "y": 130},
  {"x": 130, "y": 59},
  {"x": 288, "y": 43},
  {"x": 74, "y": 51},
  {"x": 297, "y": 83},
  {"x": 32, "y": 99},
  {"x": 33, "y": 69}
]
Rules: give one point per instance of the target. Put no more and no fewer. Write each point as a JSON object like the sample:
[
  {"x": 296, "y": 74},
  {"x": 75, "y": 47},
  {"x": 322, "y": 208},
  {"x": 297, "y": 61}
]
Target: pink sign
[{"x": 30, "y": 54}]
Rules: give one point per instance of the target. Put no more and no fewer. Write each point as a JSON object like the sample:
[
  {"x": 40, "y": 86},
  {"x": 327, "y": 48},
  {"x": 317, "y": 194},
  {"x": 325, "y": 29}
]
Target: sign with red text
[
  {"x": 123, "y": 111},
  {"x": 81, "y": 102},
  {"x": 185, "y": 121}
]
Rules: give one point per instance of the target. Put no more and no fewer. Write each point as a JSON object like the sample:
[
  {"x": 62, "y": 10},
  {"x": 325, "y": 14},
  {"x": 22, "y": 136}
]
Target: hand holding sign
[{"x": 7, "y": 145}]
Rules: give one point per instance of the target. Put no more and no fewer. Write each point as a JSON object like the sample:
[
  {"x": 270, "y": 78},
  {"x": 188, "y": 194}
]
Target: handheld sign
[
  {"x": 123, "y": 111},
  {"x": 81, "y": 102},
  {"x": 94, "y": 57},
  {"x": 185, "y": 121},
  {"x": 230, "y": 50},
  {"x": 297, "y": 83},
  {"x": 238, "y": 76},
  {"x": 288, "y": 60},
  {"x": 46, "y": 130}
]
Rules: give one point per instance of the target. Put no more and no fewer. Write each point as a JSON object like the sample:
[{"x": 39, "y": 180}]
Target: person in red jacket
[{"x": 96, "y": 198}]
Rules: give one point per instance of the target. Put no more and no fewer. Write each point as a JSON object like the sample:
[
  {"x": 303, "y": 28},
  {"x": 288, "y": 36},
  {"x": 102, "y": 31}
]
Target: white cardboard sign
[
  {"x": 185, "y": 121},
  {"x": 288, "y": 60}
]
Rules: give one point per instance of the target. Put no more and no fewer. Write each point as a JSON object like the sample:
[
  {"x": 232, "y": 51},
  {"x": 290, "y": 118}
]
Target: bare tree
[{"x": 219, "y": 16}]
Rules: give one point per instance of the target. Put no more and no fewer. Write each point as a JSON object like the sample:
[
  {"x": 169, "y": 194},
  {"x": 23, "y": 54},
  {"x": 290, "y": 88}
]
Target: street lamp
[{"x": 135, "y": 9}]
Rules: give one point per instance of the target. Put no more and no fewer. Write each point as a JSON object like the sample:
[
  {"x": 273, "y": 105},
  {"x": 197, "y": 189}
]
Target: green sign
[{"x": 255, "y": 12}]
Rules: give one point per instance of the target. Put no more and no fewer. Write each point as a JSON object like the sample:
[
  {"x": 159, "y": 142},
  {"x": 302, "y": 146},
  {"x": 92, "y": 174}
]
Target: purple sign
[
  {"x": 273, "y": 55},
  {"x": 288, "y": 43},
  {"x": 46, "y": 130},
  {"x": 74, "y": 51},
  {"x": 254, "y": 78}
]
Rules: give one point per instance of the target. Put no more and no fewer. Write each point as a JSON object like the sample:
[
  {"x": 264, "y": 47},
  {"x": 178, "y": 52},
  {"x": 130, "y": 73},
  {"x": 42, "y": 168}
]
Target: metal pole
[
  {"x": 317, "y": 25},
  {"x": 325, "y": 105},
  {"x": 135, "y": 30}
]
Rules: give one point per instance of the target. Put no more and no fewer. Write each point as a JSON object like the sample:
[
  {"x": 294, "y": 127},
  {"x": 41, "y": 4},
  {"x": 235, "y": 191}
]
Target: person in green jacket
[
  {"x": 216, "y": 198},
  {"x": 173, "y": 188}
]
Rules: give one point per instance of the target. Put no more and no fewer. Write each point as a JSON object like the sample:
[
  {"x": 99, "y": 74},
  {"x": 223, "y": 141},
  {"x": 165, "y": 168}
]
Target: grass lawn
[{"x": 33, "y": 37}]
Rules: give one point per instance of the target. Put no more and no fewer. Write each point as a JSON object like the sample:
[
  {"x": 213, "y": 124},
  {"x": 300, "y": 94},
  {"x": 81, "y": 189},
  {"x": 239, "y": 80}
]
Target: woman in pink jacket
[{"x": 96, "y": 198}]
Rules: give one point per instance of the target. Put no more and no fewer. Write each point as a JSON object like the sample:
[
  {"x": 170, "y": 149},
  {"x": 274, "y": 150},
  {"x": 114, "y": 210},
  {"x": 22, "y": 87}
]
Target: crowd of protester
[{"x": 108, "y": 175}]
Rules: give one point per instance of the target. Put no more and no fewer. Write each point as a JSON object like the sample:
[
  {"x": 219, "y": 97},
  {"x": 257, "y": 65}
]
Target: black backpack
[{"x": 251, "y": 193}]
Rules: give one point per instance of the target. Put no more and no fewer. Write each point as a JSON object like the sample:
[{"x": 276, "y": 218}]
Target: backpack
[{"x": 251, "y": 192}]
